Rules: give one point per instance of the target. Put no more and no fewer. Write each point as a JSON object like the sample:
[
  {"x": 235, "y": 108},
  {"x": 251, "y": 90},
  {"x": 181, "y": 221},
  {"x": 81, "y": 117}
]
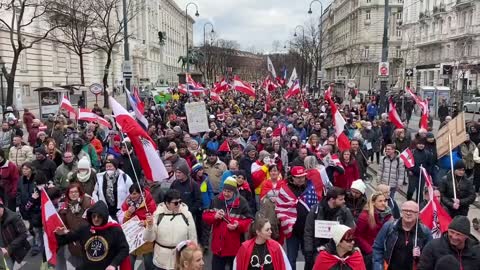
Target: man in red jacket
[
  {"x": 230, "y": 217},
  {"x": 8, "y": 181}
]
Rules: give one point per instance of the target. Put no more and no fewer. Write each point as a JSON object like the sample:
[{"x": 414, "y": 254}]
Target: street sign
[
  {"x": 96, "y": 89},
  {"x": 409, "y": 72},
  {"x": 127, "y": 69},
  {"x": 383, "y": 69},
  {"x": 351, "y": 85}
]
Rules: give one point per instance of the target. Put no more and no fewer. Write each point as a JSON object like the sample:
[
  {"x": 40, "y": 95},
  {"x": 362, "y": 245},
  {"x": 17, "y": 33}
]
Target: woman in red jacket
[
  {"x": 140, "y": 206},
  {"x": 351, "y": 173},
  {"x": 370, "y": 222},
  {"x": 272, "y": 185},
  {"x": 261, "y": 252}
]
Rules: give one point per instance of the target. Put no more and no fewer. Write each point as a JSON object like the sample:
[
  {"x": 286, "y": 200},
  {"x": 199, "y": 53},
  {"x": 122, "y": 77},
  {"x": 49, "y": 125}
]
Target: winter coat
[
  {"x": 351, "y": 174},
  {"x": 167, "y": 231},
  {"x": 377, "y": 139},
  {"x": 401, "y": 145},
  {"x": 126, "y": 166},
  {"x": 122, "y": 185},
  {"x": 75, "y": 221},
  {"x": 62, "y": 175},
  {"x": 206, "y": 190},
  {"x": 468, "y": 257},
  {"x": 190, "y": 194},
  {"x": 465, "y": 193},
  {"x": 29, "y": 207},
  {"x": 384, "y": 244},
  {"x": 224, "y": 241},
  {"x": 101, "y": 246},
  {"x": 392, "y": 171},
  {"x": 322, "y": 211},
  {"x": 9, "y": 178},
  {"x": 365, "y": 234},
  {"x": 89, "y": 185},
  {"x": 279, "y": 259},
  {"x": 28, "y": 120},
  {"x": 46, "y": 166},
  {"x": 467, "y": 150},
  {"x": 6, "y": 139},
  {"x": 215, "y": 172},
  {"x": 328, "y": 259},
  {"x": 355, "y": 205},
  {"x": 362, "y": 162},
  {"x": 424, "y": 158},
  {"x": 14, "y": 235},
  {"x": 20, "y": 155}
]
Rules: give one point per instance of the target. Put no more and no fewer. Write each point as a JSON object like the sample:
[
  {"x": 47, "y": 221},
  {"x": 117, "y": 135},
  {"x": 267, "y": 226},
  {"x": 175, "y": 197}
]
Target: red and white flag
[
  {"x": 224, "y": 147},
  {"x": 215, "y": 97},
  {"x": 286, "y": 210},
  {"x": 182, "y": 89},
  {"x": 243, "y": 87},
  {"x": 433, "y": 215},
  {"x": 221, "y": 86},
  {"x": 143, "y": 145},
  {"x": 393, "y": 115},
  {"x": 293, "y": 91},
  {"x": 423, "y": 104},
  {"x": 67, "y": 106},
  {"x": 407, "y": 158},
  {"x": 89, "y": 116},
  {"x": 50, "y": 220},
  {"x": 339, "y": 123}
]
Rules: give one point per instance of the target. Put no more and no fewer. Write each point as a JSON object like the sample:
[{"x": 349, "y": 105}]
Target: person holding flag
[{"x": 457, "y": 199}]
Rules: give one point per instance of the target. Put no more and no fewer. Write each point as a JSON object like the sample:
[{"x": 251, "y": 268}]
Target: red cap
[
  {"x": 117, "y": 138},
  {"x": 298, "y": 171}
]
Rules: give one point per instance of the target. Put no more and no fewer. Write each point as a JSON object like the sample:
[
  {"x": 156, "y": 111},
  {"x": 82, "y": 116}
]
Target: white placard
[
  {"x": 322, "y": 228},
  {"x": 196, "y": 117},
  {"x": 368, "y": 145},
  {"x": 134, "y": 233}
]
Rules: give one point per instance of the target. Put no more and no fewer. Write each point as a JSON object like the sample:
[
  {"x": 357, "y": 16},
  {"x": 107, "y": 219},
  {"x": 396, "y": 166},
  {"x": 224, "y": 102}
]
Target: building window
[
  {"x": 55, "y": 59},
  {"x": 26, "y": 90},
  {"x": 367, "y": 14},
  {"x": 23, "y": 61},
  {"x": 366, "y": 52},
  {"x": 369, "y": 1},
  {"x": 400, "y": 1},
  {"x": 68, "y": 64},
  {"x": 399, "y": 15},
  {"x": 398, "y": 52},
  {"x": 399, "y": 32}
]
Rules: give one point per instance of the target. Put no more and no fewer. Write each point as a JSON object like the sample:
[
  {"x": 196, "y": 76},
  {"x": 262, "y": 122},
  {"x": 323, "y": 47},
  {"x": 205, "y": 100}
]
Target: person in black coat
[
  {"x": 44, "y": 165},
  {"x": 423, "y": 158},
  {"x": 125, "y": 165},
  {"x": 189, "y": 190},
  {"x": 103, "y": 242},
  {"x": 443, "y": 111},
  {"x": 464, "y": 191}
]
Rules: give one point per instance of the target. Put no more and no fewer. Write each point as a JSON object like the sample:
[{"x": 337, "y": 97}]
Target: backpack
[{"x": 160, "y": 217}]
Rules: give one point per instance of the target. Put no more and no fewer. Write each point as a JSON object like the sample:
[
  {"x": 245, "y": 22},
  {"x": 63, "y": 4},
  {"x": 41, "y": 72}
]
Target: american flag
[
  {"x": 286, "y": 210},
  {"x": 309, "y": 196}
]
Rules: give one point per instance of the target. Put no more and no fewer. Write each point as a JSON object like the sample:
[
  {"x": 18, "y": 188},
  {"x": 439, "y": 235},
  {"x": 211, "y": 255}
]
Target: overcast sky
[{"x": 251, "y": 22}]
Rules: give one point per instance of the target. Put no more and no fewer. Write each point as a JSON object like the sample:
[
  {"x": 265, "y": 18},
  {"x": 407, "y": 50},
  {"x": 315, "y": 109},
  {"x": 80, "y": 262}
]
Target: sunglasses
[
  {"x": 176, "y": 203},
  {"x": 348, "y": 240}
]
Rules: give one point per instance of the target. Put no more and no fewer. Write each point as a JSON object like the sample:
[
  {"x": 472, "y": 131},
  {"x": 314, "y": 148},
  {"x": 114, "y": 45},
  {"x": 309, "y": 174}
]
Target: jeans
[
  {"x": 293, "y": 245},
  {"x": 413, "y": 186},
  {"x": 393, "y": 190},
  {"x": 147, "y": 261},
  {"x": 219, "y": 263}
]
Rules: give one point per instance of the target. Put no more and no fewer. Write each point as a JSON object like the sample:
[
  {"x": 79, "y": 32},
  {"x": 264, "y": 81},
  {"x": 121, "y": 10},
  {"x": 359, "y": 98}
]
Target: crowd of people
[{"x": 227, "y": 201}]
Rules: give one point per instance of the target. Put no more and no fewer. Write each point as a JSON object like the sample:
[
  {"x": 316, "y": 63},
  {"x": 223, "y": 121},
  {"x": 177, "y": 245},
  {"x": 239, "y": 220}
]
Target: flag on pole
[
  {"x": 224, "y": 147},
  {"x": 215, "y": 97},
  {"x": 339, "y": 125},
  {"x": 293, "y": 78},
  {"x": 193, "y": 87},
  {"x": 221, "y": 86},
  {"x": 138, "y": 100},
  {"x": 143, "y": 145},
  {"x": 67, "y": 106},
  {"x": 286, "y": 210},
  {"x": 89, "y": 116},
  {"x": 293, "y": 91},
  {"x": 423, "y": 104},
  {"x": 243, "y": 87},
  {"x": 393, "y": 115},
  {"x": 137, "y": 110},
  {"x": 433, "y": 215},
  {"x": 271, "y": 68},
  {"x": 50, "y": 220},
  {"x": 407, "y": 158}
]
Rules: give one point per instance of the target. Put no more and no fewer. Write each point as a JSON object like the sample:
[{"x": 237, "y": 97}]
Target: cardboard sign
[
  {"x": 196, "y": 117},
  {"x": 456, "y": 129},
  {"x": 134, "y": 233},
  {"x": 323, "y": 227}
]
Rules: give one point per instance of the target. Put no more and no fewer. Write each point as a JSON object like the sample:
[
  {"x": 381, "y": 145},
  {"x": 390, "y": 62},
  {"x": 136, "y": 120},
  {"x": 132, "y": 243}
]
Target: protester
[
  {"x": 464, "y": 191},
  {"x": 392, "y": 204},
  {"x": 189, "y": 256},
  {"x": 351, "y": 172},
  {"x": 8, "y": 181},
  {"x": 392, "y": 170},
  {"x": 355, "y": 198},
  {"x": 423, "y": 159},
  {"x": 85, "y": 176}
]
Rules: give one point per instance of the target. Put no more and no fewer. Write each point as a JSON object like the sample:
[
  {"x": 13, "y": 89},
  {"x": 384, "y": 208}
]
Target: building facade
[
  {"x": 49, "y": 64},
  {"x": 352, "y": 32}
]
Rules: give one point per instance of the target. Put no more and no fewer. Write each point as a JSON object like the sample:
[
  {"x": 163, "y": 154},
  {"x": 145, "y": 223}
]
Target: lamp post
[
  {"x": 2, "y": 65},
  {"x": 303, "y": 51},
  {"x": 186, "y": 28},
  {"x": 318, "y": 65},
  {"x": 205, "y": 45}
]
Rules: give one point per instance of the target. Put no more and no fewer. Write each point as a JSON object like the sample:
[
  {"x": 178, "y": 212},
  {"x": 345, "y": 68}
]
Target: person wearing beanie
[
  {"x": 8, "y": 181},
  {"x": 189, "y": 190},
  {"x": 465, "y": 191},
  {"x": 448, "y": 262},
  {"x": 355, "y": 198},
  {"x": 13, "y": 237},
  {"x": 230, "y": 217},
  {"x": 125, "y": 161},
  {"x": 340, "y": 252},
  {"x": 115, "y": 149},
  {"x": 43, "y": 164},
  {"x": 423, "y": 158},
  {"x": 85, "y": 176},
  {"x": 206, "y": 189},
  {"x": 214, "y": 167},
  {"x": 457, "y": 241},
  {"x": 64, "y": 171},
  {"x": 112, "y": 187}
]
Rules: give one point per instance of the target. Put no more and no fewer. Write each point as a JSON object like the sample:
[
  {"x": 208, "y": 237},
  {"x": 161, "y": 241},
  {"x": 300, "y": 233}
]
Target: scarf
[
  {"x": 125, "y": 265},
  {"x": 327, "y": 261},
  {"x": 75, "y": 207},
  {"x": 384, "y": 214},
  {"x": 110, "y": 181},
  {"x": 137, "y": 204},
  {"x": 84, "y": 177}
]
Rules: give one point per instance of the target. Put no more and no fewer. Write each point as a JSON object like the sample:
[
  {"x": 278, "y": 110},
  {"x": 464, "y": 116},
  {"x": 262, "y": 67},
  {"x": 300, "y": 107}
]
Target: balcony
[
  {"x": 439, "y": 10},
  {"x": 430, "y": 40},
  {"x": 461, "y": 4},
  {"x": 462, "y": 32}
]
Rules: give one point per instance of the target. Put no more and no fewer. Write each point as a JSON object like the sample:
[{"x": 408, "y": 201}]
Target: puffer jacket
[
  {"x": 469, "y": 257},
  {"x": 224, "y": 241},
  {"x": 14, "y": 235},
  {"x": 467, "y": 150},
  {"x": 20, "y": 155},
  {"x": 215, "y": 172},
  {"x": 465, "y": 193},
  {"x": 6, "y": 139},
  {"x": 391, "y": 171},
  {"x": 167, "y": 231}
]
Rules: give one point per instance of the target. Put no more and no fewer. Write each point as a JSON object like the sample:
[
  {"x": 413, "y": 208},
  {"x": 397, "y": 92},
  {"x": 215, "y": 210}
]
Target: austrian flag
[
  {"x": 67, "y": 106},
  {"x": 50, "y": 220},
  {"x": 407, "y": 158}
]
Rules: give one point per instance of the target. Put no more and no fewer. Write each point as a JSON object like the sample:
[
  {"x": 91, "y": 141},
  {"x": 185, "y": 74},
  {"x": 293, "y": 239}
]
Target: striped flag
[
  {"x": 286, "y": 210},
  {"x": 51, "y": 220},
  {"x": 309, "y": 197},
  {"x": 89, "y": 116},
  {"x": 67, "y": 106},
  {"x": 393, "y": 115},
  {"x": 407, "y": 158}
]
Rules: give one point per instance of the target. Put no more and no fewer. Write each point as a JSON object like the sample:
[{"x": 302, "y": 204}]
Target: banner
[
  {"x": 134, "y": 233},
  {"x": 196, "y": 117},
  {"x": 455, "y": 128}
]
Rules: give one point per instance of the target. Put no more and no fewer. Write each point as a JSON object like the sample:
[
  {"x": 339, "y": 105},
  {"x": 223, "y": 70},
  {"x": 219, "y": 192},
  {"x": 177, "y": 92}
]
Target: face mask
[
  {"x": 369, "y": 127},
  {"x": 267, "y": 160},
  {"x": 110, "y": 172}
]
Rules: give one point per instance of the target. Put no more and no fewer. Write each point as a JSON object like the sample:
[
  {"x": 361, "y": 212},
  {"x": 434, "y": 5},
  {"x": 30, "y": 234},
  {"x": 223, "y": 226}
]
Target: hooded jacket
[
  {"x": 14, "y": 235},
  {"x": 103, "y": 245},
  {"x": 278, "y": 256}
]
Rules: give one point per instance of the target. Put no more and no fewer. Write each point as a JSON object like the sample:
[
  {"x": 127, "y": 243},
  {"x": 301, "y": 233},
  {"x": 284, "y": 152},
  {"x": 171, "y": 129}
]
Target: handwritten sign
[
  {"x": 196, "y": 117},
  {"x": 134, "y": 233},
  {"x": 455, "y": 129},
  {"x": 322, "y": 228}
]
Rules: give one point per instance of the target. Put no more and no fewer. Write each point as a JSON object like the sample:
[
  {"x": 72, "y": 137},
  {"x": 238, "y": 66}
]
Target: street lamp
[
  {"x": 319, "y": 54},
  {"x": 303, "y": 50},
  {"x": 205, "y": 43},
  {"x": 186, "y": 28},
  {"x": 2, "y": 65}
]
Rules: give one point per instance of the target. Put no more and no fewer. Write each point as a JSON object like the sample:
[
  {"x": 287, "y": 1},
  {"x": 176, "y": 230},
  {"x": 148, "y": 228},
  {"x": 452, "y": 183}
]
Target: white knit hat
[
  {"x": 359, "y": 185},
  {"x": 338, "y": 231},
  {"x": 83, "y": 163}
]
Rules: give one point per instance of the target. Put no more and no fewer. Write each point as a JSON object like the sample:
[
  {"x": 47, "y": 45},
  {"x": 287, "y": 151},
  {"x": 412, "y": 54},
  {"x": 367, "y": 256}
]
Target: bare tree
[
  {"x": 109, "y": 31},
  {"x": 18, "y": 17},
  {"x": 276, "y": 45},
  {"x": 75, "y": 19}
]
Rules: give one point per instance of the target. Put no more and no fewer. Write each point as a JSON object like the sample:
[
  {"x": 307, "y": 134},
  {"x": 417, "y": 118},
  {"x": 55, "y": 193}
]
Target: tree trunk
[
  {"x": 10, "y": 91},
  {"x": 82, "y": 72},
  {"x": 105, "y": 79}
]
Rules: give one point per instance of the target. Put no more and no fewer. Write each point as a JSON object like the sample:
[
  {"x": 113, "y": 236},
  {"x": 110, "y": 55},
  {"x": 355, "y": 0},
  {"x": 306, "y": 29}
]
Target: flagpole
[
  {"x": 451, "y": 165},
  {"x": 418, "y": 202}
]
